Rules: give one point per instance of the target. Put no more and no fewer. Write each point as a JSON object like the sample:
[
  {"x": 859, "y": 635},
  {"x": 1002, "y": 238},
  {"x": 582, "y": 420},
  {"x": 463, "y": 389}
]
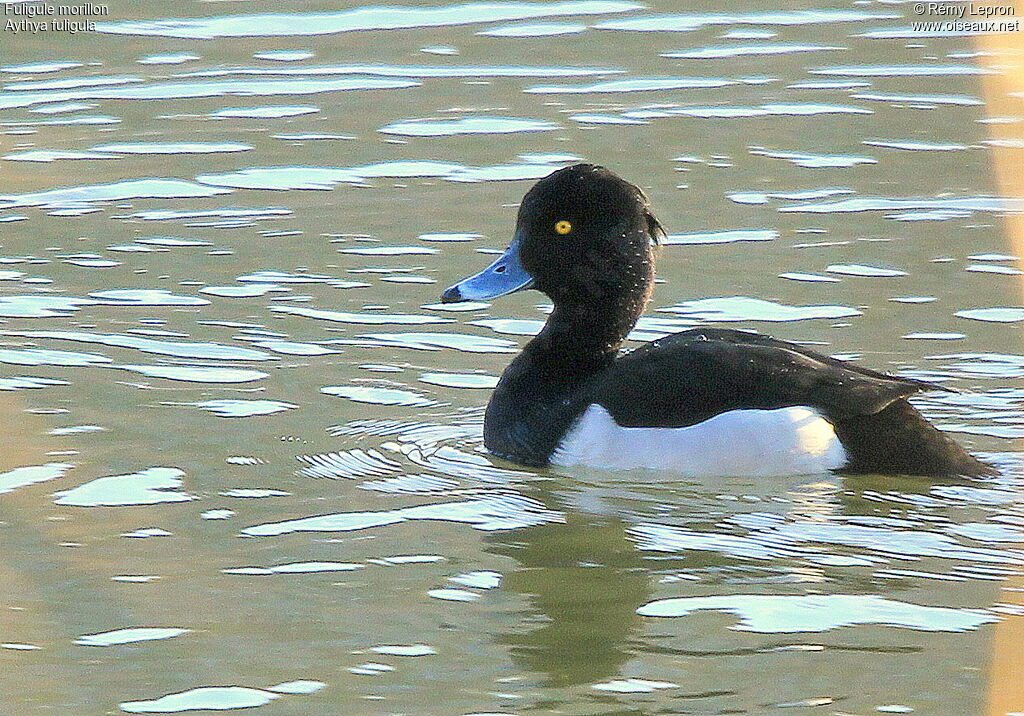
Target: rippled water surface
[{"x": 242, "y": 462}]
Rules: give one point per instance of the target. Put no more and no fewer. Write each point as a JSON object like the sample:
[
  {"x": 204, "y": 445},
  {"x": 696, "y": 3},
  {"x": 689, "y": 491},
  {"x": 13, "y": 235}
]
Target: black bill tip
[{"x": 452, "y": 295}]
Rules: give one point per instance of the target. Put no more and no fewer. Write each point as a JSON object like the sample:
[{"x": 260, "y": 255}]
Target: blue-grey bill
[{"x": 506, "y": 275}]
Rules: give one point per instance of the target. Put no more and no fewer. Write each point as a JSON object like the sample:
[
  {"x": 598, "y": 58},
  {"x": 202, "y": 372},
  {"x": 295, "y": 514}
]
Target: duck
[{"x": 701, "y": 402}]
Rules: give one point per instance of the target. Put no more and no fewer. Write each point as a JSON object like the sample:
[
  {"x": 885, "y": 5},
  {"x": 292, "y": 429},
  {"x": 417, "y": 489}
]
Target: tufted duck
[{"x": 705, "y": 401}]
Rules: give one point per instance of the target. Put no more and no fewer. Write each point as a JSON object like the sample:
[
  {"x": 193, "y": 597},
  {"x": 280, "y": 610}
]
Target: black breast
[{"x": 534, "y": 404}]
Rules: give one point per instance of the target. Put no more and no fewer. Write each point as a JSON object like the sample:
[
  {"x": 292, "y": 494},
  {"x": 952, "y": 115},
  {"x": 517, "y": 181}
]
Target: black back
[{"x": 693, "y": 375}]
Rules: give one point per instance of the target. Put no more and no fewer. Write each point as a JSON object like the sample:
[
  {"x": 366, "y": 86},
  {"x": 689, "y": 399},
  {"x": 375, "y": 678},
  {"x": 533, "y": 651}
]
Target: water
[{"x": 242, "y": 462}]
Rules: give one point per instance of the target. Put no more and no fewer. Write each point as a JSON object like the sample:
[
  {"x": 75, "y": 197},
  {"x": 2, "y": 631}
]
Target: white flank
[{"x": 746, "y": 443}]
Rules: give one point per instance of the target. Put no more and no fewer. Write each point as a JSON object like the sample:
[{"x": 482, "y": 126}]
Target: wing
[{"x": 688, "y": 377}]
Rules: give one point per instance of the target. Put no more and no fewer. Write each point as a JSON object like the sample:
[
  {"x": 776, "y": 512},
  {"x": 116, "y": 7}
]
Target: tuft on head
[{"x": 654, "y": 226}]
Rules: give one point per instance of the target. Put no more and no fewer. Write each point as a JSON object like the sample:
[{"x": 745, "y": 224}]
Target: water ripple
[
  {"x": 901, "y": 70},
  {"x": 197, "y": 90},
  {"x": 348, "y": 464},
  {"x": 634, "y": 85},
  {"x": 39, "y": 356},
  {"x": 378, "y": 396},
  {"x": 435, "y": 341},
  {"x": 206, "y": 351},
  {"x": 539, "y": 29},
  {"x": 118, "y": 191},
  {"x": 244, "y": 408},
  {"x": 41, "y": 306},
  {"x": 360, "y": 318},
  {"x": 129, "y": 636},
  {"x": 968, "y": 203},
  {"x": 695, "y": 21},
  {"x": 722, "y": 237},
  {"x": 195, "y": 374},
  {"x": 720, "y": 51},
  {"x": 219, "y": 698},
  {"x": 31, "y": 475},
  {"x": 148, "y": 487},
  {"x": 743, "y": 308},
  {"x": 797, "y": 109},
  {"x": 418, "y": 71},
  {"x": 360, "y": 19},
  {"x": 467, "y": 125},
  {"x": 494, "y": 512},
  {"x": 776, "y": 613},
  {"x": 327, "y": 177}
]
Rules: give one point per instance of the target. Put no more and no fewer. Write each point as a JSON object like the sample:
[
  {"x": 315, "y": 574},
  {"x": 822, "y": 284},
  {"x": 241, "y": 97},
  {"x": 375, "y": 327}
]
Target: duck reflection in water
[{"x": 585, "y": 580}]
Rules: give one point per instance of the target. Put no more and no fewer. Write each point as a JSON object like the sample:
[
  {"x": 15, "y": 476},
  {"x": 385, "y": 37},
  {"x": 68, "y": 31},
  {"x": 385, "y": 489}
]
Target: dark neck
[
  {"x": 581, "y": 333},
  {"x": 538, "y": 396}
]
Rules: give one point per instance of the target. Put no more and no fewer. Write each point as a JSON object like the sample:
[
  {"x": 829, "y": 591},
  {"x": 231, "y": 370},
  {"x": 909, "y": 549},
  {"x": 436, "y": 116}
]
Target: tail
[{"x": 897, "y": 440}]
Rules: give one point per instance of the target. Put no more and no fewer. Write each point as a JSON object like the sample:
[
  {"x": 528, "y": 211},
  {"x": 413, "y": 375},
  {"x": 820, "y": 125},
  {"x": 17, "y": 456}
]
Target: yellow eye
[{"x": 563, "y": 227}]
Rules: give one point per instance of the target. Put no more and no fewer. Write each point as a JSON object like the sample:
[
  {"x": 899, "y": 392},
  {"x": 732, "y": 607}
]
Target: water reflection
[
  {"x": 588, "y": 582},
  {"x": 583, "y": 581}
]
